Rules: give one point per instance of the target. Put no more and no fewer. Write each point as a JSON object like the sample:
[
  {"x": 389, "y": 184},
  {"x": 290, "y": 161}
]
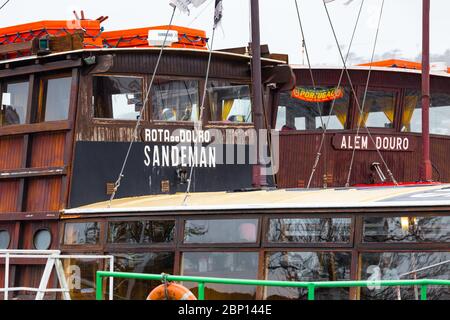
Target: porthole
[
  {"x": 42, "y": 239},
  {"x": 5, "y": 239}
]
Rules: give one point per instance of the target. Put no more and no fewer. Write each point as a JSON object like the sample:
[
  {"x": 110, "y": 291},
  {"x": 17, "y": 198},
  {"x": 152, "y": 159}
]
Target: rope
[
  {"x": 4, "y": 4},
  {"x": 319, "y": 108},
  {"x": 322, "y": 142},
  {"x": 354, "y": 93},
  {"x": 141, "y": 113},
  {"x": 166, "y": 285},
  {"x": 198, "y": 124},
  {"x": 365, "y": 94}
]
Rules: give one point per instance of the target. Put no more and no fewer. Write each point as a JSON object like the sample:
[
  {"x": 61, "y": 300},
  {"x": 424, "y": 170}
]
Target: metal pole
[
  {"x": 6, "y": 277},
  {"x": 258, "y": 110},
  {"x": 427, "y": 171}
]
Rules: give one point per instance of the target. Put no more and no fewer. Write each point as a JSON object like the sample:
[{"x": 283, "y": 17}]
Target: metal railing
[{"x": 310, "y": 286}]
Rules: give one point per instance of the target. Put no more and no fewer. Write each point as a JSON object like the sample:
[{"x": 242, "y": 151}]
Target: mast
[
  {"x": 427, "y": 171},
  {"x": 256, "y": 81}
]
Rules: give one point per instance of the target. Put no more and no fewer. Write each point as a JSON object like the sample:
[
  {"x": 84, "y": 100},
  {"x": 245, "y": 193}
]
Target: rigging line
[
  {"x": 361, "y": 114},
  {"x": 198, "y": 124},
  {"x": 3, "y": 5},
  {"x": 341, "y": 77},
  {"x": 141, "y": 113},
  {"x": 354, "y": 93},
  {"x": 200, "y": 13},
  {"x": 319, "y": 108}
]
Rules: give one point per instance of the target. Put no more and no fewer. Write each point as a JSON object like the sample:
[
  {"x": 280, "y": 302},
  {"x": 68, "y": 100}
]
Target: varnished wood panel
[
  {"x": 10, "y": 152},
  {"x": 43, "y": 195},
  {"x": 47, "y": 150},
  {"x": 9, "y": 192}
]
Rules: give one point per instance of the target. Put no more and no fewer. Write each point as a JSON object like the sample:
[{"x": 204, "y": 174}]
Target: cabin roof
[
  {"x": 120, "y": 50},
  {"x": 364, "y": 197},
  {"x": 374, "y": 68}
]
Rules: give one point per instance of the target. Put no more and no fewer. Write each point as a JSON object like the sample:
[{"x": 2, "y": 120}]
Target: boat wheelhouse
[{"x": 382, "y": 233}]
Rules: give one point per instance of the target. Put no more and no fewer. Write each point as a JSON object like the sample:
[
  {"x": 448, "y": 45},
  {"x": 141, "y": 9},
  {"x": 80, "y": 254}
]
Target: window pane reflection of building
[
  {"x": 81, "y": 276},
  {"x": 81, "y": 233},
  {"x": 141, "y": 232},
  {"x": 242, "y": 265},
  {"x": 149, "y": 263},
  {"x": 14, "y": 106},
  {"x": 395, "y": 266},
  {"x": 221, "y": 231},
  {"x": 308, "y": 266}
]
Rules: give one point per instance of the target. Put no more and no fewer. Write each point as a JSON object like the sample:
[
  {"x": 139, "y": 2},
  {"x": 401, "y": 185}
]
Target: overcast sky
[{"x": 400, "y": 34}]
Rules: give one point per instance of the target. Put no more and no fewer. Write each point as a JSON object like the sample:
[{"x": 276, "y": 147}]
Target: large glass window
[
  {"x": 326, "y": 230},
  {"x": 412, "y": 112},
  {"x": 404, "y": 266},
  {"x": 81, "y": 274},
  {"x": 56, "y": 99},
  {"x": 149, "y": 263},
  {"x": 14, "y": 106},
  {"x": 141, "y": 232},
  {"x": 221, "y": 231},
  {"x": 175, "y": 100},
  {"x": 117, "y": 97},
  {"x": 407, "y": 229},
  {"x": 309, "y": 109},
  {"x": 308, "y": 266},
  {"x": 379, "y": 109},
  {"x": 230, "y": 103},
  {"x": 82, "y": 233},
  {"x": 242, "y": 265}
]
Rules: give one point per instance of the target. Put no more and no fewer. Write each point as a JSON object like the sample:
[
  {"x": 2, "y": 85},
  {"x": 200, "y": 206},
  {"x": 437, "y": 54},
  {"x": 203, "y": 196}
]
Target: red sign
[{"x": 311, "y": 95}]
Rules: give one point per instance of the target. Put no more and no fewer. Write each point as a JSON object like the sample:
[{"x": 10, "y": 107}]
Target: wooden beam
[
  {"x": 32, "y": 173},
  {"x": 35, "y": 128},
  {"x": 38, "y": 68},
  {"x": 30, "y": 216}
]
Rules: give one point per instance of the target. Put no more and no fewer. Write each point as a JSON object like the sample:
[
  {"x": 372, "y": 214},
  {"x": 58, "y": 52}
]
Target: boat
[{"x": 87, "y": 166}]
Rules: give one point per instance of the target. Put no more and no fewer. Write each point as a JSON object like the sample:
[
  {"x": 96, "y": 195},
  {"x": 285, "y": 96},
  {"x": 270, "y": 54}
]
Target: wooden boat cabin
[
  {"x": 288, "y": 235},
  {"x": 71, "y": 98},
  {"x": 392, "y": 112}
]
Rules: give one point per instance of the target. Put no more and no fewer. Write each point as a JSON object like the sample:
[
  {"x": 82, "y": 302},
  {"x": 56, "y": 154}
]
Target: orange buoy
[{"x": 171, "y": 291}]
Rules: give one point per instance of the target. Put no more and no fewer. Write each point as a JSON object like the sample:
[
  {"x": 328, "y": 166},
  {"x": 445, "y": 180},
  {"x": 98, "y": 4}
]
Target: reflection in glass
[
  {"x": 308, "y": 266},
  {"x": 331, "y": 230},
  {"x": 298, "y": 114},
  {"x": 141, "y": 232},
  {"x": 14, "y": 104},
  {"x": 242, "y": 265},
  {"x": 175, "y": 100},
  {"x": 221, "y": 231},
  {"x": 407, "y": 229},
  {"x": 42, "y": 240},
  {"x": 117, "y": 97},
  {"x": 82, "y": 233},
  {"x": 379, "y": 109},
  {"x": 4, "y": 239},
  {"x": 80, "y": 275},
  {"x": 149, "y": 263},
  {"x": 230, "y": 103},
  {"x": 404, "y": 266},
  {"x": 56, "y": 98}
]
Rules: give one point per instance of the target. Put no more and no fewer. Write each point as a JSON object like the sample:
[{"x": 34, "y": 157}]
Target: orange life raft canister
[{"x": 171, "y": 291}]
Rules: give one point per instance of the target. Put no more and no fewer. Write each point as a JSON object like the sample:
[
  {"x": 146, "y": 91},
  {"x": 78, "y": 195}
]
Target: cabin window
[
  {"x": 149, "y": 263},
  {"x": 42, "y": 239},
  {"x": 81, "y": 275},
  {"x": 326, "y": 230},
  {"x": 404, "y": 266},
  {"x": 117, "y": 97},
  {"x": 220, "y": 231},
  {"x": 439, "y": 113},
  {"x": 302, "y": 109},
  {"x": 308, "y": 267},
  {"x": 55, "y": 99},
  {"x": 5, "y": 239},
  {"x": 175, "y": 100},
  {"x": 14, "y": 104},
  {"x": 379, "y": 109},
  {"x": 141, "y": 232},
  {"x": 407, "y": 229},
  {"x": 230, "y": 103},
  {"x": 235, "y": 265},
  {"x": 82, "y": 233}
]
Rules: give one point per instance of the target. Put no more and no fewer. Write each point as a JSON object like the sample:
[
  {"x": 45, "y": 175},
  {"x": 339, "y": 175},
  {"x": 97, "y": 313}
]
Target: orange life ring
[{"x": 172, "y": 292}]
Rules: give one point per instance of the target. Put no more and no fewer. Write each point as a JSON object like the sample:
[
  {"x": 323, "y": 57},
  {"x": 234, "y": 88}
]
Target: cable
[
  {"x": 4, "y": 4},
  {"x": 361, "y": 115},
  {"x": 134, "y": 138},
  {"x": 322, "y": 142}
]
